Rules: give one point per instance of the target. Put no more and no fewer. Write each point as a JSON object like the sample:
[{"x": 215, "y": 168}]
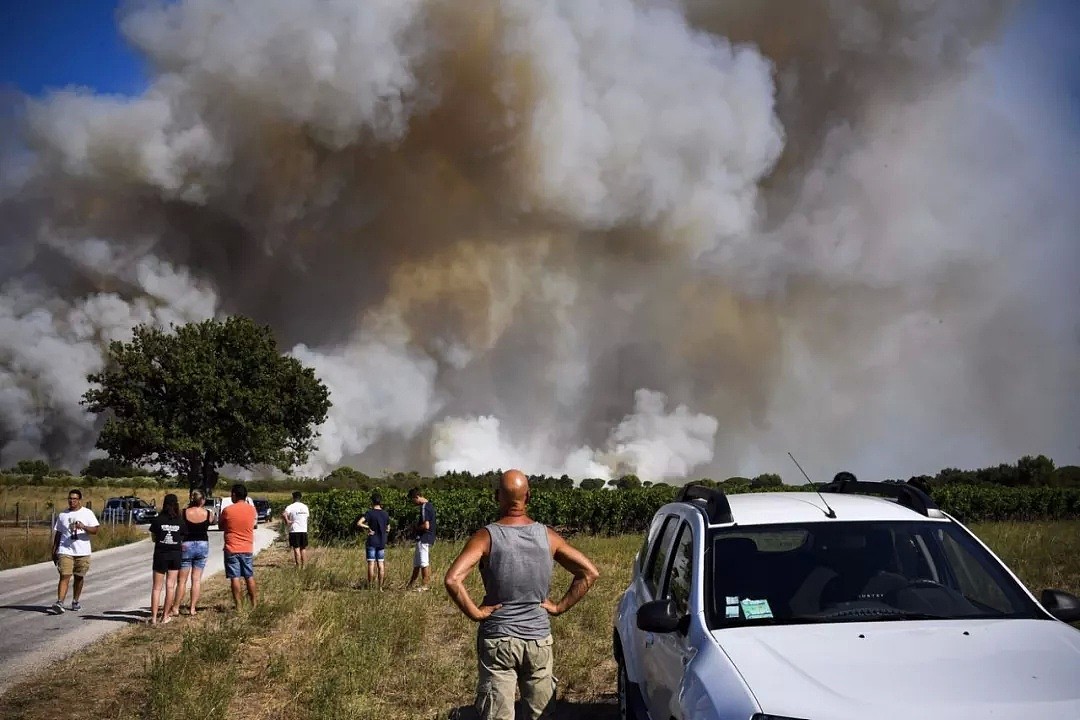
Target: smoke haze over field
[{"x": 671, "y": 238}]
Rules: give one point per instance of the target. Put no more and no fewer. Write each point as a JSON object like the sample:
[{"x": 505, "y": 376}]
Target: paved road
[{"x": 117, "y": 592}]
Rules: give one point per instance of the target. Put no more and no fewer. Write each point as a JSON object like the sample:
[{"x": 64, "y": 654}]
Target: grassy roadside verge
[
  {"x": 20, "y": 547},
  {"x": 317, "y": 647}
]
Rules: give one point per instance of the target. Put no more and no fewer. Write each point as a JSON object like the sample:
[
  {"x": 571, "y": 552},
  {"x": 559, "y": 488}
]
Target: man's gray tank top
[{"x": 517, "y": 574}]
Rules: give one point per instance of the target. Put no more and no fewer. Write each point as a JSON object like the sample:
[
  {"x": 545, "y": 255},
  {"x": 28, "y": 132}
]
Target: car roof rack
[
  {"x": 717, "y": 509},
  {"x": 905, "y": 494}
]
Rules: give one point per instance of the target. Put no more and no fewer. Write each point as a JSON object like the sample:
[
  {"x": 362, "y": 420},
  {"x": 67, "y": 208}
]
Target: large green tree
[{"x": 203, "y": 395}]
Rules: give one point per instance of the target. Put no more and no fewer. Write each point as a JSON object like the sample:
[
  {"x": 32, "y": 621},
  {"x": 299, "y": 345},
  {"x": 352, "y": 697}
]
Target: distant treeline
[{"x": 1028, "y": 471}]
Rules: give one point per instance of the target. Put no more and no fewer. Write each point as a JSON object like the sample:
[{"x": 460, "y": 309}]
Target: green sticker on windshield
[{"x": 754, "y": 609}]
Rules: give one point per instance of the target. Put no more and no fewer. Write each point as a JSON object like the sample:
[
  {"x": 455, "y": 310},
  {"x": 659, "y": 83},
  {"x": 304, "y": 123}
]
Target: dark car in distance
[
  {"x": 128, "y": 508},
  {"x": 262, "y": 510}
]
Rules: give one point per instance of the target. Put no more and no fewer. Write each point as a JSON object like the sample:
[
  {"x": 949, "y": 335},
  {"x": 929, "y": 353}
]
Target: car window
[
  {"x": 972, "y": 578},
  {"x": 855, "y": 570},
  {"x": 643, "y": 553},
  {"x": 677, "y": 582},
  {"x": 659, "y": 555},
  {"x": 112, "y": 504}
]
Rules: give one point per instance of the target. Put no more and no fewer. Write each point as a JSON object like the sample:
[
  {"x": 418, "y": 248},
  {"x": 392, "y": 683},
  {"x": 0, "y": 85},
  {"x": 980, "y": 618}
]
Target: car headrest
[{"x": 734, "y": 549}]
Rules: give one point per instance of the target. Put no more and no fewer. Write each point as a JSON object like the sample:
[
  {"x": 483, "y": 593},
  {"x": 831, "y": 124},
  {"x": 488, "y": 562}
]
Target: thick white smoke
[
  {"x": 667, "y": 238},
  {"x": 50, "y": 344},
  {"x": 651, "y": 442}
]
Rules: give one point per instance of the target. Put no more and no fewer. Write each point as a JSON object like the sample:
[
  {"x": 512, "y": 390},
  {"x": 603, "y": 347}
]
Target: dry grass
[
  {"x": 1043, "y": 555},
  {"x": 21, "y": 546},
  {"x": 38, "y": 501},
  {"x": 318, "y": 647},
  {"x": 24, "y": 545}
]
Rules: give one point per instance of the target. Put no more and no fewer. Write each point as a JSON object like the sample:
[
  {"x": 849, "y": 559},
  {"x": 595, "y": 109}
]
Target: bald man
[{"x": 513, "y": 641}]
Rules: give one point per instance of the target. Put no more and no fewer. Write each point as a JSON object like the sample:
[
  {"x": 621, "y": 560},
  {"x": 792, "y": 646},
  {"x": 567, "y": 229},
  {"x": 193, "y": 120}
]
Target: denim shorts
[
  {"x": 374, "y": 554},
  {"x": 193, "y": 553},
  {"x": 238, "y": 565}
]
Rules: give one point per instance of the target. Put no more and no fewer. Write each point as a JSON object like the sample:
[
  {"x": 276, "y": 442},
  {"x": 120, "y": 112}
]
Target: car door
[
  {"x": 669, "y": 653},
  {"x": 651, "y": 586}
]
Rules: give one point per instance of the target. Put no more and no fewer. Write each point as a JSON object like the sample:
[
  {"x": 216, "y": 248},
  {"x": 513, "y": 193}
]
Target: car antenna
[{"x": 831, "y": 513}]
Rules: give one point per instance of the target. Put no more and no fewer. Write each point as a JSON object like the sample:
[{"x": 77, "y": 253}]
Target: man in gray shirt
[{"x": 513, "y": 641}]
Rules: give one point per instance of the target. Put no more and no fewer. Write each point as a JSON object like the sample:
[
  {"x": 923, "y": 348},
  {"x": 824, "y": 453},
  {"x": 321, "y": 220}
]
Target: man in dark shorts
[
  {"x": 296, "y": 517},
  {"x": 377, "y": 523}
]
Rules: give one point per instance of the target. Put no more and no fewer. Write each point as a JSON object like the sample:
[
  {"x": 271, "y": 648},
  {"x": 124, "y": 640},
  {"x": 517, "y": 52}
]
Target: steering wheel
[{"x": 919, "y": 583}]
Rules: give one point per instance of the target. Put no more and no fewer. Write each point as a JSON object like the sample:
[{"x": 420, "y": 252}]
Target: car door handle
[{"x": 649, "y": 639}]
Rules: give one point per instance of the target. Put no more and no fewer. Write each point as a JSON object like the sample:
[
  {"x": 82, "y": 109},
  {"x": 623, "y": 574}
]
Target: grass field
[
  {"x": 21, "y": 546},
  {"x": 38, "y": 501},
  {"x": 317, "y": 647}
]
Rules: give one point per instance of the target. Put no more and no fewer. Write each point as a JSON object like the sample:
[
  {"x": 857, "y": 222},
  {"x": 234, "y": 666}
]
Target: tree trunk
[
  {"x": 202, "y": 473},
  {"x": 209, "y": 476}
]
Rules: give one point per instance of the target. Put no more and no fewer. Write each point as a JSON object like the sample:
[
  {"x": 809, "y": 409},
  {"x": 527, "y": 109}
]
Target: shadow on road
[
  {"x": 43, "y": 609},
  {"x": 125, "y": 616}
]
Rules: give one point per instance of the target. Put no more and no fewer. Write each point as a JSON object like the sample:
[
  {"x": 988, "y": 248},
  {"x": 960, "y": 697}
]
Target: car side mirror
[
  {"x": 658, "y": 616},
  {"x": 1062, "y": 605}
]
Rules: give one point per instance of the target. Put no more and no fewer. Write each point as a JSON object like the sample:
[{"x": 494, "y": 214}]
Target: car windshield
[
  {"x": 856, "y": 571},
  {"x": 140, "y": 504}
]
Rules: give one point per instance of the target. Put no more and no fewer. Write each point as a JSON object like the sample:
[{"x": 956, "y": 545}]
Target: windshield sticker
[
  {"x": 754, "y": 609},
  {"x": 732, "y": 600},
  {"x": 732, "y": 611}
]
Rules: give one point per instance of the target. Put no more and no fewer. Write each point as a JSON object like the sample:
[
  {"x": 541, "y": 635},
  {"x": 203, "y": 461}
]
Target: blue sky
[{"x": 55, "y": 43}]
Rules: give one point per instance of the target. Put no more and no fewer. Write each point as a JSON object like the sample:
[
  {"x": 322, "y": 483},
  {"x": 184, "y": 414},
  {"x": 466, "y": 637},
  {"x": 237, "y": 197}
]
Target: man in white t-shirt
[
  {"x": 296, "y": 515},
  {"x": 71, "y": 548},
  {"x": 227, "y": 501}
]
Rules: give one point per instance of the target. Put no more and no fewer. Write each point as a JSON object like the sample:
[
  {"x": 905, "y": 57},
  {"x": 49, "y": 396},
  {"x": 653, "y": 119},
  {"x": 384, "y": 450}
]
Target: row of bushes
[
  {"x": 70, "y": 481},
  {"x": 459, "y": 512},
  {"x": 979, "y": 503}
]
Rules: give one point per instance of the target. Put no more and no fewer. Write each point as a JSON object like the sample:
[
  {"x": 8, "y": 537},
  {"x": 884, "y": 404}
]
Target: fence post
[{"x": 16, "y": 514}]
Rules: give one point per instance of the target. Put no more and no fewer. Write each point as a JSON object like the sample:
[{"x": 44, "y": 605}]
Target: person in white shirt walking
[
  {"x": 296, "y": 516},
  {"x": 71, "y": 548}
]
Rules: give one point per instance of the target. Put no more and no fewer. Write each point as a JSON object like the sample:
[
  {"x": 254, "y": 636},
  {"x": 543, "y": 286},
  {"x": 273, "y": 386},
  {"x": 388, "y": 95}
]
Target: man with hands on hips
[{"x": 514, "y": 645}]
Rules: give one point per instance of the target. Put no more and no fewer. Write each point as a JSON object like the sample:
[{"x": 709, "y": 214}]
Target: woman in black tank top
[
  {"x": 197, "y": 530},
  {"x": 196, "y": 548}
]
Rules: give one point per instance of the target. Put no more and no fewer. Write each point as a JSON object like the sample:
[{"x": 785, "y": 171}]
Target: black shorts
[
  {"x": 165, "y": 562},
  {"x": 298, "y": 540}
]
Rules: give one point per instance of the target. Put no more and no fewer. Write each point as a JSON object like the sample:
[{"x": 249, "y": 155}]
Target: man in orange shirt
[{"x": 238, "y": 522}]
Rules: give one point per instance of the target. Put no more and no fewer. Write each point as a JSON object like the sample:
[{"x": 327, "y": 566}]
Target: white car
[
  {"x": 219, "y": 504},
  {"x": 862, "y": 602}
]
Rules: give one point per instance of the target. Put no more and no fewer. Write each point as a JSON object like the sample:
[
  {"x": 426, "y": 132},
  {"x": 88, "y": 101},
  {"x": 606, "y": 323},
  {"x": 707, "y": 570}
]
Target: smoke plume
[{"x": 669, "y": 238}]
